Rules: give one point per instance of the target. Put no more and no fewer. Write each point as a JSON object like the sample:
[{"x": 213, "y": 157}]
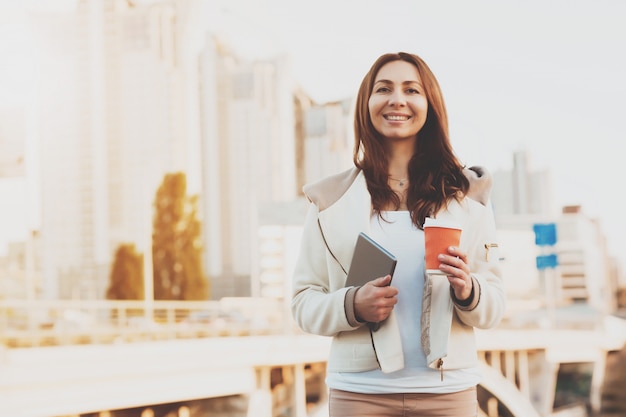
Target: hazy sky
[
  {"x": 548, "y": 77},
  {"x": 545, "y": 76}
]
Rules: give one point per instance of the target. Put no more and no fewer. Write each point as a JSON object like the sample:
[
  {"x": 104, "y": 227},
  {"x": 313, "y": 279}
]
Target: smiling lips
[{"x": 396, "y": 117}]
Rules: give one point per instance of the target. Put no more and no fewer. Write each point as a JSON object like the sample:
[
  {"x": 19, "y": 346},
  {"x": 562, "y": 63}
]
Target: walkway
[{"x": 70, "y": 380}]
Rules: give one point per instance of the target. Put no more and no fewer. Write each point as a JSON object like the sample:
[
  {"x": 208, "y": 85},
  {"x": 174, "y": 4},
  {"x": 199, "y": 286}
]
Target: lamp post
[{"x": 148, "y": 275}]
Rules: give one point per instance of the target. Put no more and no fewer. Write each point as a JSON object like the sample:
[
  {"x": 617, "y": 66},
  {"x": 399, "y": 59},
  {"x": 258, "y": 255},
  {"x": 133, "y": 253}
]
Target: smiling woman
[
  {"x": 398, "y": 106},
  {"x": 388, "y": 357}
]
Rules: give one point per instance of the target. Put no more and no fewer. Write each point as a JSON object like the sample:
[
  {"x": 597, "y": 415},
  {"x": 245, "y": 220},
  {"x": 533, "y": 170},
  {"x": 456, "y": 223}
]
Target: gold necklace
[{"x": 400, "y": 182}]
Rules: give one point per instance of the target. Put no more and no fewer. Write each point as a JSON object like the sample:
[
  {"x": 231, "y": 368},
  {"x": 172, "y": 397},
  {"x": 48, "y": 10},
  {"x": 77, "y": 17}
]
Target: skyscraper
[
  {"x": 523, "y": 190},
  {"x": 329, "y": 139},
  {"x": 110, "y": 126},
  {"x": 12, "y": 142},
  {"x": 248, "y": 159}
]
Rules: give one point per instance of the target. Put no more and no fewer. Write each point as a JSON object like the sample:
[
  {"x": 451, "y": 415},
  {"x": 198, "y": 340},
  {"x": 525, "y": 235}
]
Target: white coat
[{"x": 321, "y": 304}]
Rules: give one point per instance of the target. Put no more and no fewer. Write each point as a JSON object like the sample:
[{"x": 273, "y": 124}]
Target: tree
[
  {"x": 176, "y": 243},
  {"x": 126, "y": 278}
]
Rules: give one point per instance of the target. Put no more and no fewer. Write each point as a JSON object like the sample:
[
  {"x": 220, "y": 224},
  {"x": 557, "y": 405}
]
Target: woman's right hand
[{"x": 374, "y": 301}]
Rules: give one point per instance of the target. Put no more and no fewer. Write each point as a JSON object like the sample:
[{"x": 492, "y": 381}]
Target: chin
[{"x": 398, "y": 137}]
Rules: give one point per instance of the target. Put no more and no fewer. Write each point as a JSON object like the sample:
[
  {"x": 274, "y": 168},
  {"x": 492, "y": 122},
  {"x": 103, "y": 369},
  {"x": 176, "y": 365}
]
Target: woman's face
[{"x": 397, "y": 104}]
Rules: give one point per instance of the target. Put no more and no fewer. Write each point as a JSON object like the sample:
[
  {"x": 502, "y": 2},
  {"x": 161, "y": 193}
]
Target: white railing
[
  {"x": 61, "y": 322},
  {"x": 520, "y": 365}
]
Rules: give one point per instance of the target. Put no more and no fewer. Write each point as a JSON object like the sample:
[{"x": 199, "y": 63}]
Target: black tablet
[{"x": 370, "y": 261}]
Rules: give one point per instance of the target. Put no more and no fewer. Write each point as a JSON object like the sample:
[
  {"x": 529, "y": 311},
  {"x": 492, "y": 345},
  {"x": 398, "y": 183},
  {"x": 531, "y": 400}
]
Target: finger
[
  {"x": 382, "y": 281},
  {"x": 453, "y": 261},
  {"x": 455, "y": 272},
  {"x": 462, "y": 288},
  {"x": 457, "y": 281},
  {"x": 457, "y": 252},
  {"x": 449, "y": 270}
]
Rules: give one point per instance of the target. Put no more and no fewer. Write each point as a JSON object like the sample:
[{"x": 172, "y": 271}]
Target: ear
[{"x": 480, "y": 183}]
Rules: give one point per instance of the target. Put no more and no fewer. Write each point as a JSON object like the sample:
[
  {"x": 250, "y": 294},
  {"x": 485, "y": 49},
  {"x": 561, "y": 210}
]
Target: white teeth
[{"x": 397, "y": 118}]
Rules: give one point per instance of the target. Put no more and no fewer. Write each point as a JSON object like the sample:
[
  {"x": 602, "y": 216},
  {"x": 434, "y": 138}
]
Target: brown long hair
[{"x": 435, "y": 173}]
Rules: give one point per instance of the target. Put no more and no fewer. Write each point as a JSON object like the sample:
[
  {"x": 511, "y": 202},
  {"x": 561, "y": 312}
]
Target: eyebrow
[{"x": 403, "y": 82}]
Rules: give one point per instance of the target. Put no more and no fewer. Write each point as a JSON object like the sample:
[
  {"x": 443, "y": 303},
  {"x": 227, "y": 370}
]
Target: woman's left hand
[{"x": 454, "y": 265}]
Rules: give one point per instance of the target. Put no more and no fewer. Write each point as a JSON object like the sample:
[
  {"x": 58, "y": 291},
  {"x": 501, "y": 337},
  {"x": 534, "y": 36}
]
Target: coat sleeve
[
  {"x": 318, "y": 301},
  {"x": 489, "y": 302}
]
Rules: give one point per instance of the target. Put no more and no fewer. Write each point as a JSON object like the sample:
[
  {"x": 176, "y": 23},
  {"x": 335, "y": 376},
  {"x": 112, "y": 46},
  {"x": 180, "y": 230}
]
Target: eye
[
  {"x": 382, "y": 90},
  {"x": 413, "y": 91}
]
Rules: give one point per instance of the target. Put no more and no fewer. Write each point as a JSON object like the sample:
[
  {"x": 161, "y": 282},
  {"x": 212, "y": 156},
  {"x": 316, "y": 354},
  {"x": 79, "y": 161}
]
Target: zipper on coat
[
  {"x": 488, "y": 246},
  {"x": 440, "y": 367}
]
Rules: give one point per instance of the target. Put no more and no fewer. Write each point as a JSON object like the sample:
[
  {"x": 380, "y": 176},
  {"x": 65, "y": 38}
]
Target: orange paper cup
[{"x": 438, "y": 237}]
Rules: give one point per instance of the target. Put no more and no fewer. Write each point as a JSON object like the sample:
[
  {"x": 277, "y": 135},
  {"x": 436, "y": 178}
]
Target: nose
[{"x": 397, "y": 99}]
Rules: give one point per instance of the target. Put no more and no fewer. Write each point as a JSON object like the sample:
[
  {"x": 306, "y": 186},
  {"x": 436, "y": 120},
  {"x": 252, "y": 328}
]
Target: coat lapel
[{"x": 342, "y": 222}]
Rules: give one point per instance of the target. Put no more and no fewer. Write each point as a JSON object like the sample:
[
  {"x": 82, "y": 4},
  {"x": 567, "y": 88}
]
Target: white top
[{"x": 400, "y": 237}]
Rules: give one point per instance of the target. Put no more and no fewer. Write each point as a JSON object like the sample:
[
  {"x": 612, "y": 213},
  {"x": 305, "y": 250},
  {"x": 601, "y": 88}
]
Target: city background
[{"x": 103, "y": 101}]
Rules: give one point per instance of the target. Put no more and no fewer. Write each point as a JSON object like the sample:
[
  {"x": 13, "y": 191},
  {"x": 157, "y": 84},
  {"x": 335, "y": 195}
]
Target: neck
[
  {"x": 400, "y": 155},
  {"x": 398, "y": 169}
]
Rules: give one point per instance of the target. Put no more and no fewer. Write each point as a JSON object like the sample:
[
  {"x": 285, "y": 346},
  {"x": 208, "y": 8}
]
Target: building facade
[
  {"x": 110, "y": 127},
  {"x": 522, "y": 199},
  {"x": 247, "y": 117},
  {"x": 329, "y": 139}
]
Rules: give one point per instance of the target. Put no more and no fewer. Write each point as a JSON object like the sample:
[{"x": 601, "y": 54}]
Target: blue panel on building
[
  {"x": 545, "y": 234},
  {"x": 547, "y": 261}
]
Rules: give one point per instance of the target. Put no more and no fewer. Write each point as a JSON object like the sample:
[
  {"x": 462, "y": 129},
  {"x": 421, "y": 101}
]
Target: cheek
[
  {"x": 424, "y": 105},
  {"x": 421, "y": 108},
  {"x": 373, "y": 105}
]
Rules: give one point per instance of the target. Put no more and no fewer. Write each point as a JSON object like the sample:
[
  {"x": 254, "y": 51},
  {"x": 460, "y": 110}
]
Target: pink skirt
[{"x": 456, "y": 404}]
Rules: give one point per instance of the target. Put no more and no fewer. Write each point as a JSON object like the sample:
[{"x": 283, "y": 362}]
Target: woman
[{"x": 419, "y": 359}]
